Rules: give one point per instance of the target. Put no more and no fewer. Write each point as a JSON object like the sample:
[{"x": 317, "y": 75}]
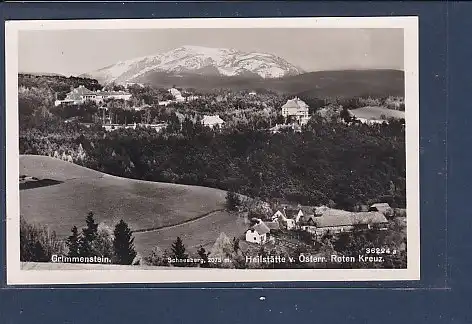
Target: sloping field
[
  {"x": 200, "y": 232},
  {"x": 142, "y": 204},
  {"x": 376, "y": 112}
]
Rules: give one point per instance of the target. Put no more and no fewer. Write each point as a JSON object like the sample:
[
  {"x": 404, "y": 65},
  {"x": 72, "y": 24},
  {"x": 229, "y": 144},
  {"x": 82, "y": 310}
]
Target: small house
[
  {"x": 258, "y": 233},
  {"x": 212, "y": 121},
  {"x": 282, "y": 216}
]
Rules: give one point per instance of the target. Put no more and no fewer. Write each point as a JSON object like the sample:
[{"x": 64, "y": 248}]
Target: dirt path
[{"x": 199, "y": 217}]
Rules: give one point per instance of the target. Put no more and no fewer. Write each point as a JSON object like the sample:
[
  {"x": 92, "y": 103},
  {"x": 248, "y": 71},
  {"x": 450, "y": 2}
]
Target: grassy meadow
[
  {"x": 141, "y": 204},
  {"x": 377, "y": 112}
]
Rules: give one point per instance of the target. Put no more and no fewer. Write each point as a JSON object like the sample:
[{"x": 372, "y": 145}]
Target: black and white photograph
[{"x": 212, "y": 150}]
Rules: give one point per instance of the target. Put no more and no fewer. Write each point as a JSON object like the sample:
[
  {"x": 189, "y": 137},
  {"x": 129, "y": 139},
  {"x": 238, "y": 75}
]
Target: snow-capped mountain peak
[{"x": 198, "y": 60}]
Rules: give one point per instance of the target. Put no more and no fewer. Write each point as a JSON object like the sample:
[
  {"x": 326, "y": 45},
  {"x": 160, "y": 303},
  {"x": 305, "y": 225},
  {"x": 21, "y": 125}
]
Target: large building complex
[{"x": 82, "y": 94}]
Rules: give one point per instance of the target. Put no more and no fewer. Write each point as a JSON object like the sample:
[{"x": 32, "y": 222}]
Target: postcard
[{"x": 212, "y": 150}]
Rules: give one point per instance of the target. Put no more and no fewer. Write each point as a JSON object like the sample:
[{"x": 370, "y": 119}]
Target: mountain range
[
  {"x": 197, "y": 60},
  {"x": 207, "y": 69}
]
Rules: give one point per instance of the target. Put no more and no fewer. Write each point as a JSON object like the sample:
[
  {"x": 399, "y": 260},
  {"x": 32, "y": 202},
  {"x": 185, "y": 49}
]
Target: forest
[{"x": 327, "y": 162}]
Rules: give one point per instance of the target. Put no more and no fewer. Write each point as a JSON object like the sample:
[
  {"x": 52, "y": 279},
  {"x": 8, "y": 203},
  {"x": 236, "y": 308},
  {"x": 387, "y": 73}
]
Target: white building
[
  {"x": 81, "y": 94},
  {"x": 297, "y": 109},
  {"x": 177, "y": 95},
  {"x": 258, "y": 233},
  {"x": 212, "y": 121},
  {"x": 290, "y": 223}
]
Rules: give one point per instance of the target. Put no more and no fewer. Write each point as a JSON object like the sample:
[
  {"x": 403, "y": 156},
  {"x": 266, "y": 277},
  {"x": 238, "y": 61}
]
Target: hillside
[
  {"x": 324, "y": 84},
  {"x": 142, "y": 204}
]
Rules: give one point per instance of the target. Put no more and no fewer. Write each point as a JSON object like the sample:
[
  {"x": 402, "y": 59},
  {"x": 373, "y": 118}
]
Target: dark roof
[
  {"x": 291, "y": 213},
  {"x": 261, "y": 228}
]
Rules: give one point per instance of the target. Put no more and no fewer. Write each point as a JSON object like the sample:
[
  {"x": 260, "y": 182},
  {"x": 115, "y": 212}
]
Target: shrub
[
  {"x": 232, "y": 201},
  {"x": 103, "y": 244},
  {"x": 158, "y": 257},
  {"x": 38, "y": 243}
]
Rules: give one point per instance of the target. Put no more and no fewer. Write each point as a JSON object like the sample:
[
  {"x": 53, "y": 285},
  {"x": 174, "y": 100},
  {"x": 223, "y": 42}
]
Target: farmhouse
[
  {"x": 297, "y": 109},
  {"x": 338, "y": 222},
  {"x": 212, "y": 121},
  {"x": 81, "y": 94},
  {"x": 258, "y": 233},
  {"x": 291, "y": 218}
]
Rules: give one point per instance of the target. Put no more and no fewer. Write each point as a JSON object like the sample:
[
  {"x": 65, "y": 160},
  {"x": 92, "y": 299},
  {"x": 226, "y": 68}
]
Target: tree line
[{"x": 39, "y": 244}]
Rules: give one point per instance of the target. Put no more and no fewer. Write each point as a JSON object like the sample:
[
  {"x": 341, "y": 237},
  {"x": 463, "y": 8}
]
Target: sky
[{"x": 73, "y": 52}]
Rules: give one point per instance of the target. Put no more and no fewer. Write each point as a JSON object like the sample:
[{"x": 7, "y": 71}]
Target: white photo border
[{"x": 17, "y": 276}]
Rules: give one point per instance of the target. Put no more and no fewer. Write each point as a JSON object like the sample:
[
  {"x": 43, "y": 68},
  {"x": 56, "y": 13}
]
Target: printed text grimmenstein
[{"x": 80, "y": 259}]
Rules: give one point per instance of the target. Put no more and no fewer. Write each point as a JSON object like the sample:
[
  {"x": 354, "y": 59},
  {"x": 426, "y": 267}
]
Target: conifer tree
[
  {"x": 73, "y": 243},
  {"x": 178, "y": 249},
  {"x": 123, "y": 244},
  {"x": 203, "y": 254},
  {"x": 89, "y": 235}
]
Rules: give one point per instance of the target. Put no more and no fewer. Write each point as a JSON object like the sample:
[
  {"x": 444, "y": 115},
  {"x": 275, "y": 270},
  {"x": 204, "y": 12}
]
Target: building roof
[
  {"x": 350, "y": 219},
  {"x": 296, "y": 103},
  {"x": 326, "y": 211},
  {"x": 212, "y": 120},
  {"x": 261, "y": 228},
  {"x": 81, "y": 90},
  {"x": 113, "y": 93},
  {"x": 71, "y": 96},
  {"x": 78, "y": 93},
  {"x": 290, "y": 212}
]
